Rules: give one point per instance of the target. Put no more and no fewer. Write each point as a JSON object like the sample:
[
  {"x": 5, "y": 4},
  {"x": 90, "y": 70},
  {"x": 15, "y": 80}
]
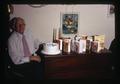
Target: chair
[{"x": 10, "y": 72}]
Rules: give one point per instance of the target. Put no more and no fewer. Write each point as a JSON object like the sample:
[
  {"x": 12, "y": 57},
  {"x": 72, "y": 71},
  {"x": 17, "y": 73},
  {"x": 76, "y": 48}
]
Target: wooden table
[{"x": 75, "y": 66}]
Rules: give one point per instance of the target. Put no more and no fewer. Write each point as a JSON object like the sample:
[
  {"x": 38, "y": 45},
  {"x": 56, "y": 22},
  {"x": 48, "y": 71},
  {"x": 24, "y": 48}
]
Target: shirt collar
[{"x": 18, "y": 34}]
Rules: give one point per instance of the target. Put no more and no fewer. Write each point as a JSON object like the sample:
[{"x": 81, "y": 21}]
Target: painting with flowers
[{"x": 70, "y": 23}]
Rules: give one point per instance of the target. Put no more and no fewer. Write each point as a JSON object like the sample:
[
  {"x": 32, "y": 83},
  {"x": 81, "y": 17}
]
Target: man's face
[{"x": 20, "y": 25}]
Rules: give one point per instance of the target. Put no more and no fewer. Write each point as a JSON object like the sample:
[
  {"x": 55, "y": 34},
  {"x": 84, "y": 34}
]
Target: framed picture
[
  {"x": 69, "y": 23},
  {"x": 111, "y": 9}
]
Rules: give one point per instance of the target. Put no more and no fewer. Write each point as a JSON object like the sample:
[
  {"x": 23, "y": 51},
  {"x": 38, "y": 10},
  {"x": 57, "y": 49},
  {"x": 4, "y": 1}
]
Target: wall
[{"x": 93, "y": 19}]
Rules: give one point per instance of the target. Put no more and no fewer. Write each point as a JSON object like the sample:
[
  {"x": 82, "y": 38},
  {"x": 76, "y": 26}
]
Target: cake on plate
[{"x": 50, "y": 48}]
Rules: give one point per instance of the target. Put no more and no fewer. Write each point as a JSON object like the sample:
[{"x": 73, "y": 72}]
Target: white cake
[{"x": 51, "y": 48}]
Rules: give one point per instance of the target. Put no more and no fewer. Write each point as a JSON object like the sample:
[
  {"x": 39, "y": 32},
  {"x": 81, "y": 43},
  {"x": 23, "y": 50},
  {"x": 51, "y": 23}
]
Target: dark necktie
[{"x": 25, "y": 47}]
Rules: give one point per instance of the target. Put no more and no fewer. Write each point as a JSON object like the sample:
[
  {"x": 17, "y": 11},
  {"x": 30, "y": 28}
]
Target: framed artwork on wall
[
  {"x": 69, "y": 23},
  {"x": 111, "y": 9}
]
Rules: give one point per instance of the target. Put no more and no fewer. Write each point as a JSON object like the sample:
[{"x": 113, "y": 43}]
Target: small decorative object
[
  {"x": 84, "y": 37},
  {"x": 100, "y": 41},
  {"x": 94, "y": 46},
  {"x": 88, "y": 46},
  {"x": 60, "y": 42},
  {"x": 67, "y": 45},
  {"x": 100, "y": 38},
  {"x": 70, "y": 23},
  {"x": 80, "y": 46},
  {"x": 10, "y": 9}
]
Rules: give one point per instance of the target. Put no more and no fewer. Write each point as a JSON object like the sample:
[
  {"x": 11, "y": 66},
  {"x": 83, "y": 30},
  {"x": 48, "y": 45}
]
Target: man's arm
[{"x": 16, "y": 56}]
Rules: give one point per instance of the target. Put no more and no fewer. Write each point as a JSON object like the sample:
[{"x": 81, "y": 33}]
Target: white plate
[{"x": 48, "y": 53}]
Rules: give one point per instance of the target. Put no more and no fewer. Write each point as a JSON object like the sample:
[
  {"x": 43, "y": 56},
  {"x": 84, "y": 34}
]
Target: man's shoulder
[{"x": 12, "y": 36}]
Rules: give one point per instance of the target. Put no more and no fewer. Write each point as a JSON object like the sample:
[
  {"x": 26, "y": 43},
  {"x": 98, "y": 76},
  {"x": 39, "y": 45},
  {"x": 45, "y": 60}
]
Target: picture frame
[
  {"x": 111, "y": 9},
  {"x": 69, "y": 23}
]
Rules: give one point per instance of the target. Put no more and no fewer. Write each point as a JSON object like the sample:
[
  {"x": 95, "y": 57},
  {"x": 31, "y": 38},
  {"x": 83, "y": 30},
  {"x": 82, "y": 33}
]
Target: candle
[{"x": 54, "y": 35}]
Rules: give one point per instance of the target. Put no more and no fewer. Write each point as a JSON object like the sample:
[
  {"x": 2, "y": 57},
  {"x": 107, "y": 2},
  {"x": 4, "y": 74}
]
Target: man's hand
[{"x": 35, "y": 58}]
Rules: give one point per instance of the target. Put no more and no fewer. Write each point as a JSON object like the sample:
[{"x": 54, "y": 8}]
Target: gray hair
[{"x": 13, "y": 22}]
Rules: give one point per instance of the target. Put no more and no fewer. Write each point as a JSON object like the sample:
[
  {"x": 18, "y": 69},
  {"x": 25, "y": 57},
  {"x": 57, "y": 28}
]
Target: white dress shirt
[{"x": 15, "y": 47}]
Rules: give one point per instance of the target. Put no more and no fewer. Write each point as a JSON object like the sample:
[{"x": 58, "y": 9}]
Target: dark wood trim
[{"x": 73, "y": 65}]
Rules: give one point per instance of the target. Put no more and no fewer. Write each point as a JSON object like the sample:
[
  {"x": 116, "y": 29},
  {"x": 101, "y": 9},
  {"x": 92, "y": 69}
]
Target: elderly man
[{"x": 21, "y": 47}]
